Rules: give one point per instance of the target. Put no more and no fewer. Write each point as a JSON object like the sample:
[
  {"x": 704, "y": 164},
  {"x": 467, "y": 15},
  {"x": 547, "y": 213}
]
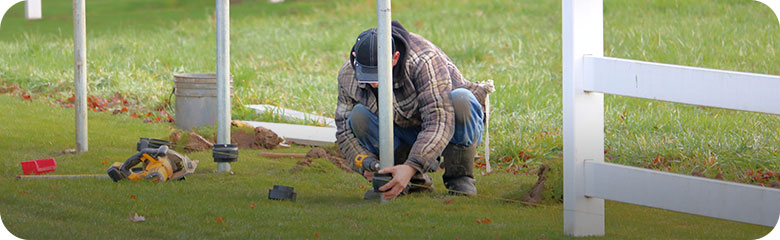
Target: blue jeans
[{"x": 469, "y": 125}]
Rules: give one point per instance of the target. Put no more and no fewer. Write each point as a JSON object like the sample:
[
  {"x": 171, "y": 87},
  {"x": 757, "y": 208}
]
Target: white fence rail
[
  {"x": 696, "y": 195},
  {"x": 588, "y": 180},
  {"x": 683, "y": 84}
]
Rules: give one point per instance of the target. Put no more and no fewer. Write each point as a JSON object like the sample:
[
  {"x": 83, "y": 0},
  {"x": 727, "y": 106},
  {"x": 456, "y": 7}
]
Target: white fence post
[
  {"x": 583, "y": 139},
  {"x": 32, "y": 9},
  {"x": 223, "y": 77},
  {"x": 80, "y": 73}
]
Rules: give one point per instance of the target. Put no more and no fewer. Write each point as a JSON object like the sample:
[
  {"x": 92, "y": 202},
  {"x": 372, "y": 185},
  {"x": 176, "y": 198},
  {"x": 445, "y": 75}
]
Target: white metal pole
[
  {"x": 385, "y": 90},
  {"x": 385, "y": 74},
  {"x": 80, "y": 73},
  {"x": 223, "y": 77},
  {"x": 583, "y": 116}
]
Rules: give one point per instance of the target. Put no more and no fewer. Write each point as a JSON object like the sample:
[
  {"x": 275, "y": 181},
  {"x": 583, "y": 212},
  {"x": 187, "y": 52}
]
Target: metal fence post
[
  {"x": 223, "y": 77},
  {"x": 385, "y": 65},
  {"x": 80, "y": 73},
  {"x": 385, "y": 90}
]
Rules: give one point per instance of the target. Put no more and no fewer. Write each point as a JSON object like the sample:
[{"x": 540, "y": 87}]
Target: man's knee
[
  {"x": 360, "y": 120},
  {"x": 461, "y": 102}
]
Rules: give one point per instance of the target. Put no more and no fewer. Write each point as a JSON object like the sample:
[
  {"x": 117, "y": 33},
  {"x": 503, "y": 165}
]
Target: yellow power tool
[{"x": 158, "y": 165}]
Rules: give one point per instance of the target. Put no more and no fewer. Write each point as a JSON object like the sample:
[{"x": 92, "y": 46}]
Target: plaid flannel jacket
[{"x": 421, "y": 98}]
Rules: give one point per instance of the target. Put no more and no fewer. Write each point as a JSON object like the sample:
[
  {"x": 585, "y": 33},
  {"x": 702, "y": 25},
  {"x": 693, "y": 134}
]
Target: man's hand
[
  {"x": 369, "y": 175},
  {"x": 401, "y": 176}
]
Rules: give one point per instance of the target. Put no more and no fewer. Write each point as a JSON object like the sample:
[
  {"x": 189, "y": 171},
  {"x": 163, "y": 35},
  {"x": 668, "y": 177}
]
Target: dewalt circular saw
[{"x": 158, "y": 165}]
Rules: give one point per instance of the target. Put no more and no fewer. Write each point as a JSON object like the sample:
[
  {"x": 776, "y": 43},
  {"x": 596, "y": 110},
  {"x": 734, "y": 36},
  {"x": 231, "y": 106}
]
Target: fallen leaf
[
  {"x": 104, "y": 162},
  {"x": 53, "y": 196},
  {"x": 252, "y": 205},
  {"x": 219, "y": 219},
  {"x": 486, "y": 220},
  {"x": 446, "y": 202},
  {"x": 137, "y": 218},
  {"x": 362, "y": 186},
  {"x": 316, "y": 235},
  {"x": 132, "y": 197},
  {"x": 408, "y": 214}
]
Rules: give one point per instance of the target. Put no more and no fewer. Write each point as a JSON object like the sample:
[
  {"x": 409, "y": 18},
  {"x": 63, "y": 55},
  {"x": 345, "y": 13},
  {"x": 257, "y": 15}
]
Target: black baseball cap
[{"x": 365, "y": 60}]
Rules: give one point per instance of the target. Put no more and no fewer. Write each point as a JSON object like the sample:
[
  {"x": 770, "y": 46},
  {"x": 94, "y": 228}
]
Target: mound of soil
[
  {"x": 197, "y": 143},
  {"x": 334, "y": 158},
  {"x": 259, "y": 138}
]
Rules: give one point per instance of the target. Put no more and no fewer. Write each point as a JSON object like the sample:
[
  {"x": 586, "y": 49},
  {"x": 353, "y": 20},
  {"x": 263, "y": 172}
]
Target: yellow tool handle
[{"x": 359, "y": 160}]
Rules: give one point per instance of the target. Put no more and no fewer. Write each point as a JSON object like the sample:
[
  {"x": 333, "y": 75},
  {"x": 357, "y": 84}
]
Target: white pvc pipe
[
  {"x": 488, "y": 169},
  {"x": 80, "y": 73},
  {"x": 385, "y": 74},
  {"x": 223, "y": 77}
]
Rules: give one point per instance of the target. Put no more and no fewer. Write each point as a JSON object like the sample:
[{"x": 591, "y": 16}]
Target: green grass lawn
[
  {"x": 288, "y": 55},
  {"x": 329, "y": 200}
]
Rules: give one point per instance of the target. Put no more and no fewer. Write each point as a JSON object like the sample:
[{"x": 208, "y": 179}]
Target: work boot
[
  {"x": 458, "y": 167},
  {"x": 420, "y": 182}
]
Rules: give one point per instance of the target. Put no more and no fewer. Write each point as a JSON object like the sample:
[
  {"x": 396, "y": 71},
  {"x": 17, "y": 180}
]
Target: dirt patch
[
  {"x": 242, "y": 138},
  {"x": 301, "y": 164},
  {"x": 197, "y": 143},
  {"x": 335, "y": 158},
  {"x": 317, "y": 153},
  {"x": 535, "y": 195},
  {"x": 257, "y": 138}
]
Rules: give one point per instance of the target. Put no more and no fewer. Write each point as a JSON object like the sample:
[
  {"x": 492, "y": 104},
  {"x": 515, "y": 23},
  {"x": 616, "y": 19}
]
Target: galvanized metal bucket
[{"x": 196, "y": 99}]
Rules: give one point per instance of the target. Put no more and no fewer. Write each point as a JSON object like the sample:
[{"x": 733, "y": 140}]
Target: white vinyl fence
[{"x": 588, "y": 180}]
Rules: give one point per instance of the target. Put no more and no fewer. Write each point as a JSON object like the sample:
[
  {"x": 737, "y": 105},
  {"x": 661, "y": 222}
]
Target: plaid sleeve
[
  {"x": 346, "y": 140},
  {"x": 436, "y": 111}
]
